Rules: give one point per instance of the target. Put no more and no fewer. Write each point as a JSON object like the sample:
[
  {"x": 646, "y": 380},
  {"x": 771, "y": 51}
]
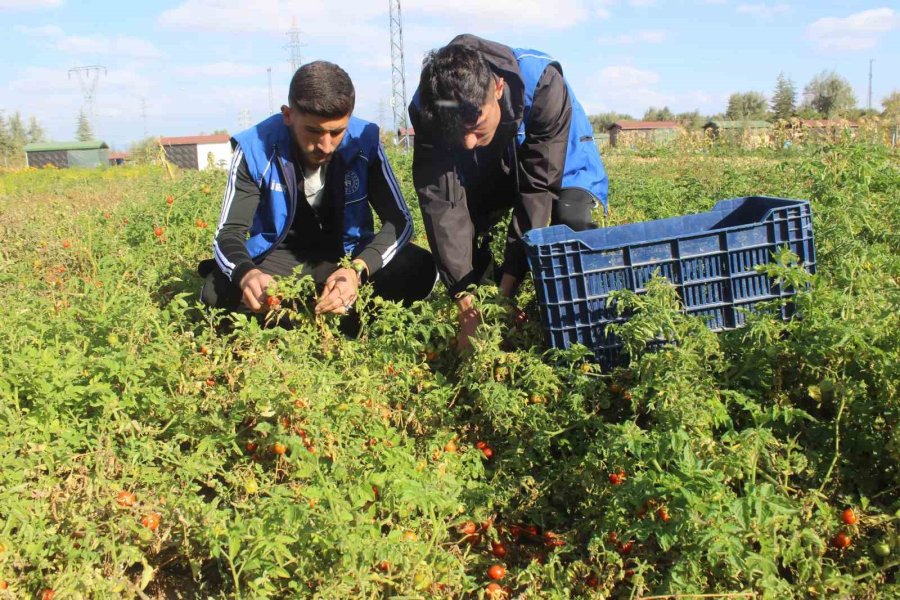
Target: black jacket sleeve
[
  {"x": 238, "y": 210},
  {"x": 541, "y": 159},
  {"x": 386, "y": 199},
  {"x": 445, "y": 214}
]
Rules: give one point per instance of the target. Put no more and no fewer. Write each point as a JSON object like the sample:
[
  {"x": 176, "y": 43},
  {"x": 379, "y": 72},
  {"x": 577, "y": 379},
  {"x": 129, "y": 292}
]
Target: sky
[{"x": 187, "y": 67}]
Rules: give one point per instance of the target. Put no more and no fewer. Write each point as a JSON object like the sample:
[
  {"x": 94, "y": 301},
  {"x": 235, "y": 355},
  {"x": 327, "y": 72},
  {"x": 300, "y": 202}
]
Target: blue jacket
[
  {"x": 549, "y": 148},
  {"x": 346, "y": 223}
]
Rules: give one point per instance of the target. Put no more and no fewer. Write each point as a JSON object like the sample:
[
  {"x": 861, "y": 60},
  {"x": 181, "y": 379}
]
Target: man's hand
[
  {"x": 253, "y": 287},
  {"x": 339, "y": 293},
  {"x": 469, "y": 320}
]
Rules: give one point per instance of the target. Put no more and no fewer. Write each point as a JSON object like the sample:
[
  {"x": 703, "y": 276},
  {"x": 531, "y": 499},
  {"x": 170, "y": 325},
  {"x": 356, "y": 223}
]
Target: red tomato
[
  {"x": 488, "y": 452},
  {"x": 848, "y": 517},
  {"x": 279, "y": 448},
  {"x": 126, "y": 498},
  {"x": 273, "y": 301},
  {"x": 47, "y": 594},
  {"x": 615, "y": 479},
  {"x": 151, "y": 521},
  {"x": 663, "y": 514},
  {"x": 468, "y": 528},
  {"x": 498, "y": 549},
  {"x": 496, "y": 572},
  {"x": 481, "y": 444},
  {"x": 250, "y": 446},
  {"x": 66, "y": 244},
  {"x": 158, "y": 231},
  {"x": 841, "y": 540},
  {"x": 170, "y": 200}
]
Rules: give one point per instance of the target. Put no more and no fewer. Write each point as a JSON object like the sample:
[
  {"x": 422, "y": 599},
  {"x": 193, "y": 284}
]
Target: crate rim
[{"x": 577, "y": 236}]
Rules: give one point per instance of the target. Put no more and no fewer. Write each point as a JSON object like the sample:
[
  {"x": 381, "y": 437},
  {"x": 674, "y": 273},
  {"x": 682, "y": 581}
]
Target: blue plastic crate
[{"x": 711, "y": 258}]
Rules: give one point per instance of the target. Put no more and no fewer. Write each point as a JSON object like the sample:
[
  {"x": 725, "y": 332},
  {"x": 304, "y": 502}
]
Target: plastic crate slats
[{"x": 711, "y": 258}]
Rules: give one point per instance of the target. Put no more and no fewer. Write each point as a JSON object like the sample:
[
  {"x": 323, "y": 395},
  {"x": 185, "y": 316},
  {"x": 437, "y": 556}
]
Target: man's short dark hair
[
  {"x": 455, "y": 84},
  {"x": 323, "y": 89}
]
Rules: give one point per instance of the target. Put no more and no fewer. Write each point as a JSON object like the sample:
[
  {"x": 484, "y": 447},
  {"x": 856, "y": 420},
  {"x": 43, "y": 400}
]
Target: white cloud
[
  {"x": 221, "y": 69},
  {"x": 28, "y": 4},
  {"x": 621, "y": 77},
  {"x": 641, "y": 2},
  {"x": 495, "y": 15},
  {"x": 626, "y": 89},
  {"x": 859, "y": 31},
  {"x": 644, "y": 36},
  {"x": 41, "y": 30},
  {"x": 317, "y": 19},
  {"x": 121, "y": 46},
  {"x": 763, "y": 11}
]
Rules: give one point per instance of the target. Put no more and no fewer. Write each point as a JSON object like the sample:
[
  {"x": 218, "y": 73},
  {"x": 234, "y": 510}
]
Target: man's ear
[
  {"x": 286, "y": 114},
  {"x": 498, "y": 90}
]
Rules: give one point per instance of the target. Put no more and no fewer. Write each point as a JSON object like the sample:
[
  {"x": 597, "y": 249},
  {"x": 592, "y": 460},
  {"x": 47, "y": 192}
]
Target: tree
[
  {"x": 602, "y": 121},
  {"x": 891, "y": 105},
  {"x": 6, "y": 145},
  {"x": 691, "y": 120},
  {"x": 746, "y": 106},
  {"x": 784, "y": 100},
  {"x": 17, "y": 130},
  {"x": 35, "y": 131},
  {"x": 659, "y": 114},
  {"x": 829, "y": 94},
  {"x": 84, "y": 132}
]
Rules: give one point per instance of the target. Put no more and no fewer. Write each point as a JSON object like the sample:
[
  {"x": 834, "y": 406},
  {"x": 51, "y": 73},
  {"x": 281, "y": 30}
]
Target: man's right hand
[
  {"x": 253, "y": 287},
  {"x": 469, "y": 320}
]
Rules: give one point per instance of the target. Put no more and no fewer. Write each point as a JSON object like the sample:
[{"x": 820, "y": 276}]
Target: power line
[
  {"x": 398, "y": 70},
  {"x": 294, "y": 46},
  {"x": 88, "y": 78}
]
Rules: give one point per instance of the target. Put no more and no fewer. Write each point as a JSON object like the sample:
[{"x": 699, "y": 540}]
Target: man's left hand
[{"x": 339, "y": 293}]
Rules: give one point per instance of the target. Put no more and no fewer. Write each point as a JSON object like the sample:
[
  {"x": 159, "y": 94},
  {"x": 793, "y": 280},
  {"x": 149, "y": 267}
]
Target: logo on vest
[{"x": 351, "y": 183}]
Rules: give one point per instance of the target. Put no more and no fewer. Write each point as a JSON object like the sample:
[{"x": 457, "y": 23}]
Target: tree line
[
  {"x": 826, "y": 96},
  {"x": 14, "y": 134}
]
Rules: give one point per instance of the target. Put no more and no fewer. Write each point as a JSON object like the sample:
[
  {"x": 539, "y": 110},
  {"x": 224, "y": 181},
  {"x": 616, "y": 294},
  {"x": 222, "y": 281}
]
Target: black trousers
[
  {"x": 574, "y": 208},
  {"x": 408, "y": 277}
]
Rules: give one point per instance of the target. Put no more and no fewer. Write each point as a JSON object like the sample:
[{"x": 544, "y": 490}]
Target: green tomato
[
  {"x": 881, "y": 549},
  {"x": 250, "y": 486}
]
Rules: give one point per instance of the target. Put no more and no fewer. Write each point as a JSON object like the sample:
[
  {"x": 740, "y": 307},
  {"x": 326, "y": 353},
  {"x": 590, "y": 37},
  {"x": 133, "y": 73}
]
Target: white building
[{"x": 198, "y": 151}]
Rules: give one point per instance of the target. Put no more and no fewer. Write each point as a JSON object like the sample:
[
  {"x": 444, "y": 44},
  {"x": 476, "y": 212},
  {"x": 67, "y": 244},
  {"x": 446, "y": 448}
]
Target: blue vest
[
  {"x": 267, "y": 148},
  {"x": 583, "y": 168}
]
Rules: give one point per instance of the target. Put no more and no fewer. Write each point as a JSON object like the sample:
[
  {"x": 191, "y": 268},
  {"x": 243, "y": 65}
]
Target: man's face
[
  {"x": 316, "y": 137},
  {"x": 482, "y": 132}
]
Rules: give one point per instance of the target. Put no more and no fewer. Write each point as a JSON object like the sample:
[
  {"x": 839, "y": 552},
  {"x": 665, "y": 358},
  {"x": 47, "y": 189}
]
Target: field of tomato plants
[{"x": 151, "y": 449}]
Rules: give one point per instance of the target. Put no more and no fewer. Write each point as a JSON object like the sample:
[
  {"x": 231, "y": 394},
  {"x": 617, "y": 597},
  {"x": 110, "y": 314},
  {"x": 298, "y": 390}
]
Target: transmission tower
[
  {"x": 871, "y": 60},
  {"x": 294, "y": 46},
  {"x": 398, "y": 77},
  {"x": 88, "y": 77},
  {"x": 271, "y": 96}
]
